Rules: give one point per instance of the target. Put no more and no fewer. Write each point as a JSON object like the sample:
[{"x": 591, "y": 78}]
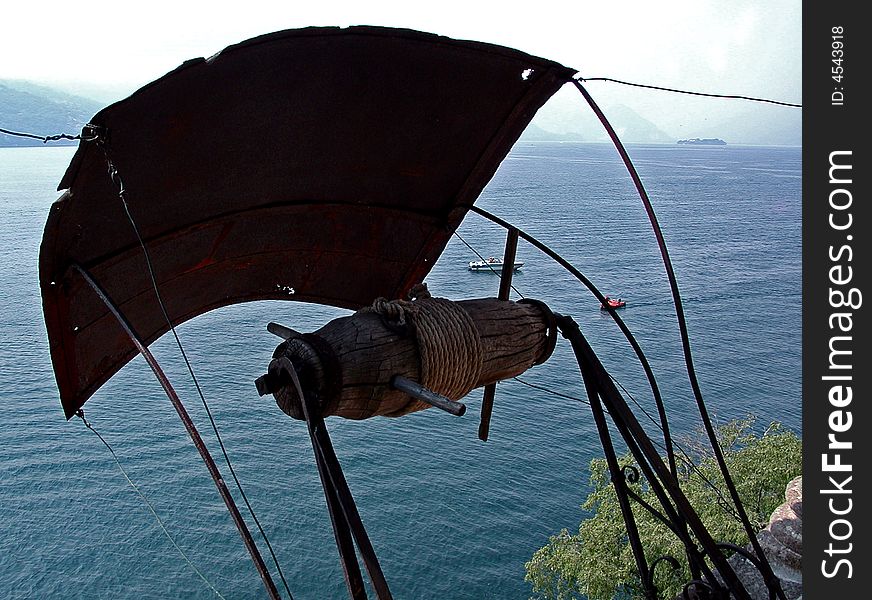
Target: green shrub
[{"x": 598, "y": 563}]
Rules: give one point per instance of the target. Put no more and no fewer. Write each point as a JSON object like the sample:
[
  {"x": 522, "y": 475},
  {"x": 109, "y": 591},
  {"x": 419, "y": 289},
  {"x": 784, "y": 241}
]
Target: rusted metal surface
[{"x": 321, "y": 165}]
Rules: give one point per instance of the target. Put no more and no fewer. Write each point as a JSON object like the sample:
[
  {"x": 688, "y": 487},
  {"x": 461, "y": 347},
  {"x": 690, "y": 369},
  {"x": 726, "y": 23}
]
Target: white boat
[{"x": 491, "y": 264}]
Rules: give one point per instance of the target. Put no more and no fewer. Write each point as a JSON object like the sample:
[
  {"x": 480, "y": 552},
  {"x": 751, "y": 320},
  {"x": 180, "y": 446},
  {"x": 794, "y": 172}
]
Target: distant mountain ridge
[
  {"x": 29, "y": 108},
  {"x": 44, "y": 110},
  {"x": 563, "y": 119},
  {"x": 534, "y": 133}
]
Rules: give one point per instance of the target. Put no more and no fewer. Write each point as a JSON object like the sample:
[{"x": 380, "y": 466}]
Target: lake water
[{"x": 450, "y": 517}]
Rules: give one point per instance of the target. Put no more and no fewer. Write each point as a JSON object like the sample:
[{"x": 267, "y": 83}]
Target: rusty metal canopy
[{"x": 322, "y": 165}]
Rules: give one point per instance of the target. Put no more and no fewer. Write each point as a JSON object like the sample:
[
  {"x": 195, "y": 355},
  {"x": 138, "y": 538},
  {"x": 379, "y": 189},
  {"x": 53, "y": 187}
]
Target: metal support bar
[
  {"x": 649, "y": 373},
  {"x": 416, "y": 390},
  {"x": 340, "y": 502},
  {"x": 341, "y": 527},
  {"x": 349, "y": 511},
  {"x": 768, "y": 574},
  {"x": 341, "y": 531},
  {"x": 487, "y": 401},
  {"x": 286, "y": 333},
  {"x": 649, "y": 460},
  {"x": 192, "y": 431},
  {"x": 508, "y": 263},
  {"x": 487, "y": 409},
  {"x": 619, "y": 482}
]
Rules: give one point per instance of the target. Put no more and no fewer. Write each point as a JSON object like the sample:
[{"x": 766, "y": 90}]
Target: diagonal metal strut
[
  {"x": 191, "y": 429},
  {"x": 344, "y": 515}
]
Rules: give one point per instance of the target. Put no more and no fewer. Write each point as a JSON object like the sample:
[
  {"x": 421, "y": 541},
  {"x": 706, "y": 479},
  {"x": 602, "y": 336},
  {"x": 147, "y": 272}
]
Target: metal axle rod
[{"x": 416, "y": 390}]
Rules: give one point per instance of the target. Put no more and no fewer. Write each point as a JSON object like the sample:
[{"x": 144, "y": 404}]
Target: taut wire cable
[
  {"x": 122, "y": 194},
  {"x": 81, "y": 414},
  {"x": 689, "y": 93},
  {"x": 482, "y": 259},
  {"x": 47, "y": 138}
]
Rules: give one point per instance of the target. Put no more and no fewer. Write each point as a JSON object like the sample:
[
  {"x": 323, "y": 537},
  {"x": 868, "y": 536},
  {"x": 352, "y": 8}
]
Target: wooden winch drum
[{"x": 449, "y": 347}]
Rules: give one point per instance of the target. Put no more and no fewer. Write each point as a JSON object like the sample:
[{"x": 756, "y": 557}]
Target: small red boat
[{"x": 614, "y": 303}]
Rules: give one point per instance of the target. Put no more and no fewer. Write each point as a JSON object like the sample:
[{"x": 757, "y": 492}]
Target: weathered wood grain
[{"x": 365, "y": 352}]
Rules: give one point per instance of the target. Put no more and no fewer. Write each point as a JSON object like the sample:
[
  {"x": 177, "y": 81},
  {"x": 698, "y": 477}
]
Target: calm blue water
[{"x": 450, "y": 517}]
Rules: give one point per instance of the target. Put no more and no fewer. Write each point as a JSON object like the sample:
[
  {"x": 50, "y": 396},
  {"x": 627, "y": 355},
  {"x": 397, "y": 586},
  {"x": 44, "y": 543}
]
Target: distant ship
[
  {"x": 491, "y": 264},
  {"x": 704, "y": 141}
]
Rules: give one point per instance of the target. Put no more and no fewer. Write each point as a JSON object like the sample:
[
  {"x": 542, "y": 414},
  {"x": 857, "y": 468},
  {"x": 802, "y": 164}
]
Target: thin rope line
[
  {"x": 587, "y": 402},
  {"x": 676, "y": 91},
  {"x": 482, "y": 259},
  {"x": 550, "y": 391},
  {"x": 684, "y": 456},
  {"x": 81, "y": 414},
  {"x": 122, "y": 194},
  {"x": 44, "y": 138}
]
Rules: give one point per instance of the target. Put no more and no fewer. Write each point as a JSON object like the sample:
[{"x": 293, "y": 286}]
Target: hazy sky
[{"x": 746, "y": 47}]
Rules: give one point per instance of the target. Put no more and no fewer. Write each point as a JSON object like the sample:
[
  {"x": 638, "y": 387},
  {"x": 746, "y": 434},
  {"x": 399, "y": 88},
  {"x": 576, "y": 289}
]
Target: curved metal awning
[{"x": 321, "y": 165}]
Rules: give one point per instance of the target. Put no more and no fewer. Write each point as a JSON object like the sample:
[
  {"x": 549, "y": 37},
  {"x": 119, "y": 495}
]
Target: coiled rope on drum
[{"x": 448, "y": 342}]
